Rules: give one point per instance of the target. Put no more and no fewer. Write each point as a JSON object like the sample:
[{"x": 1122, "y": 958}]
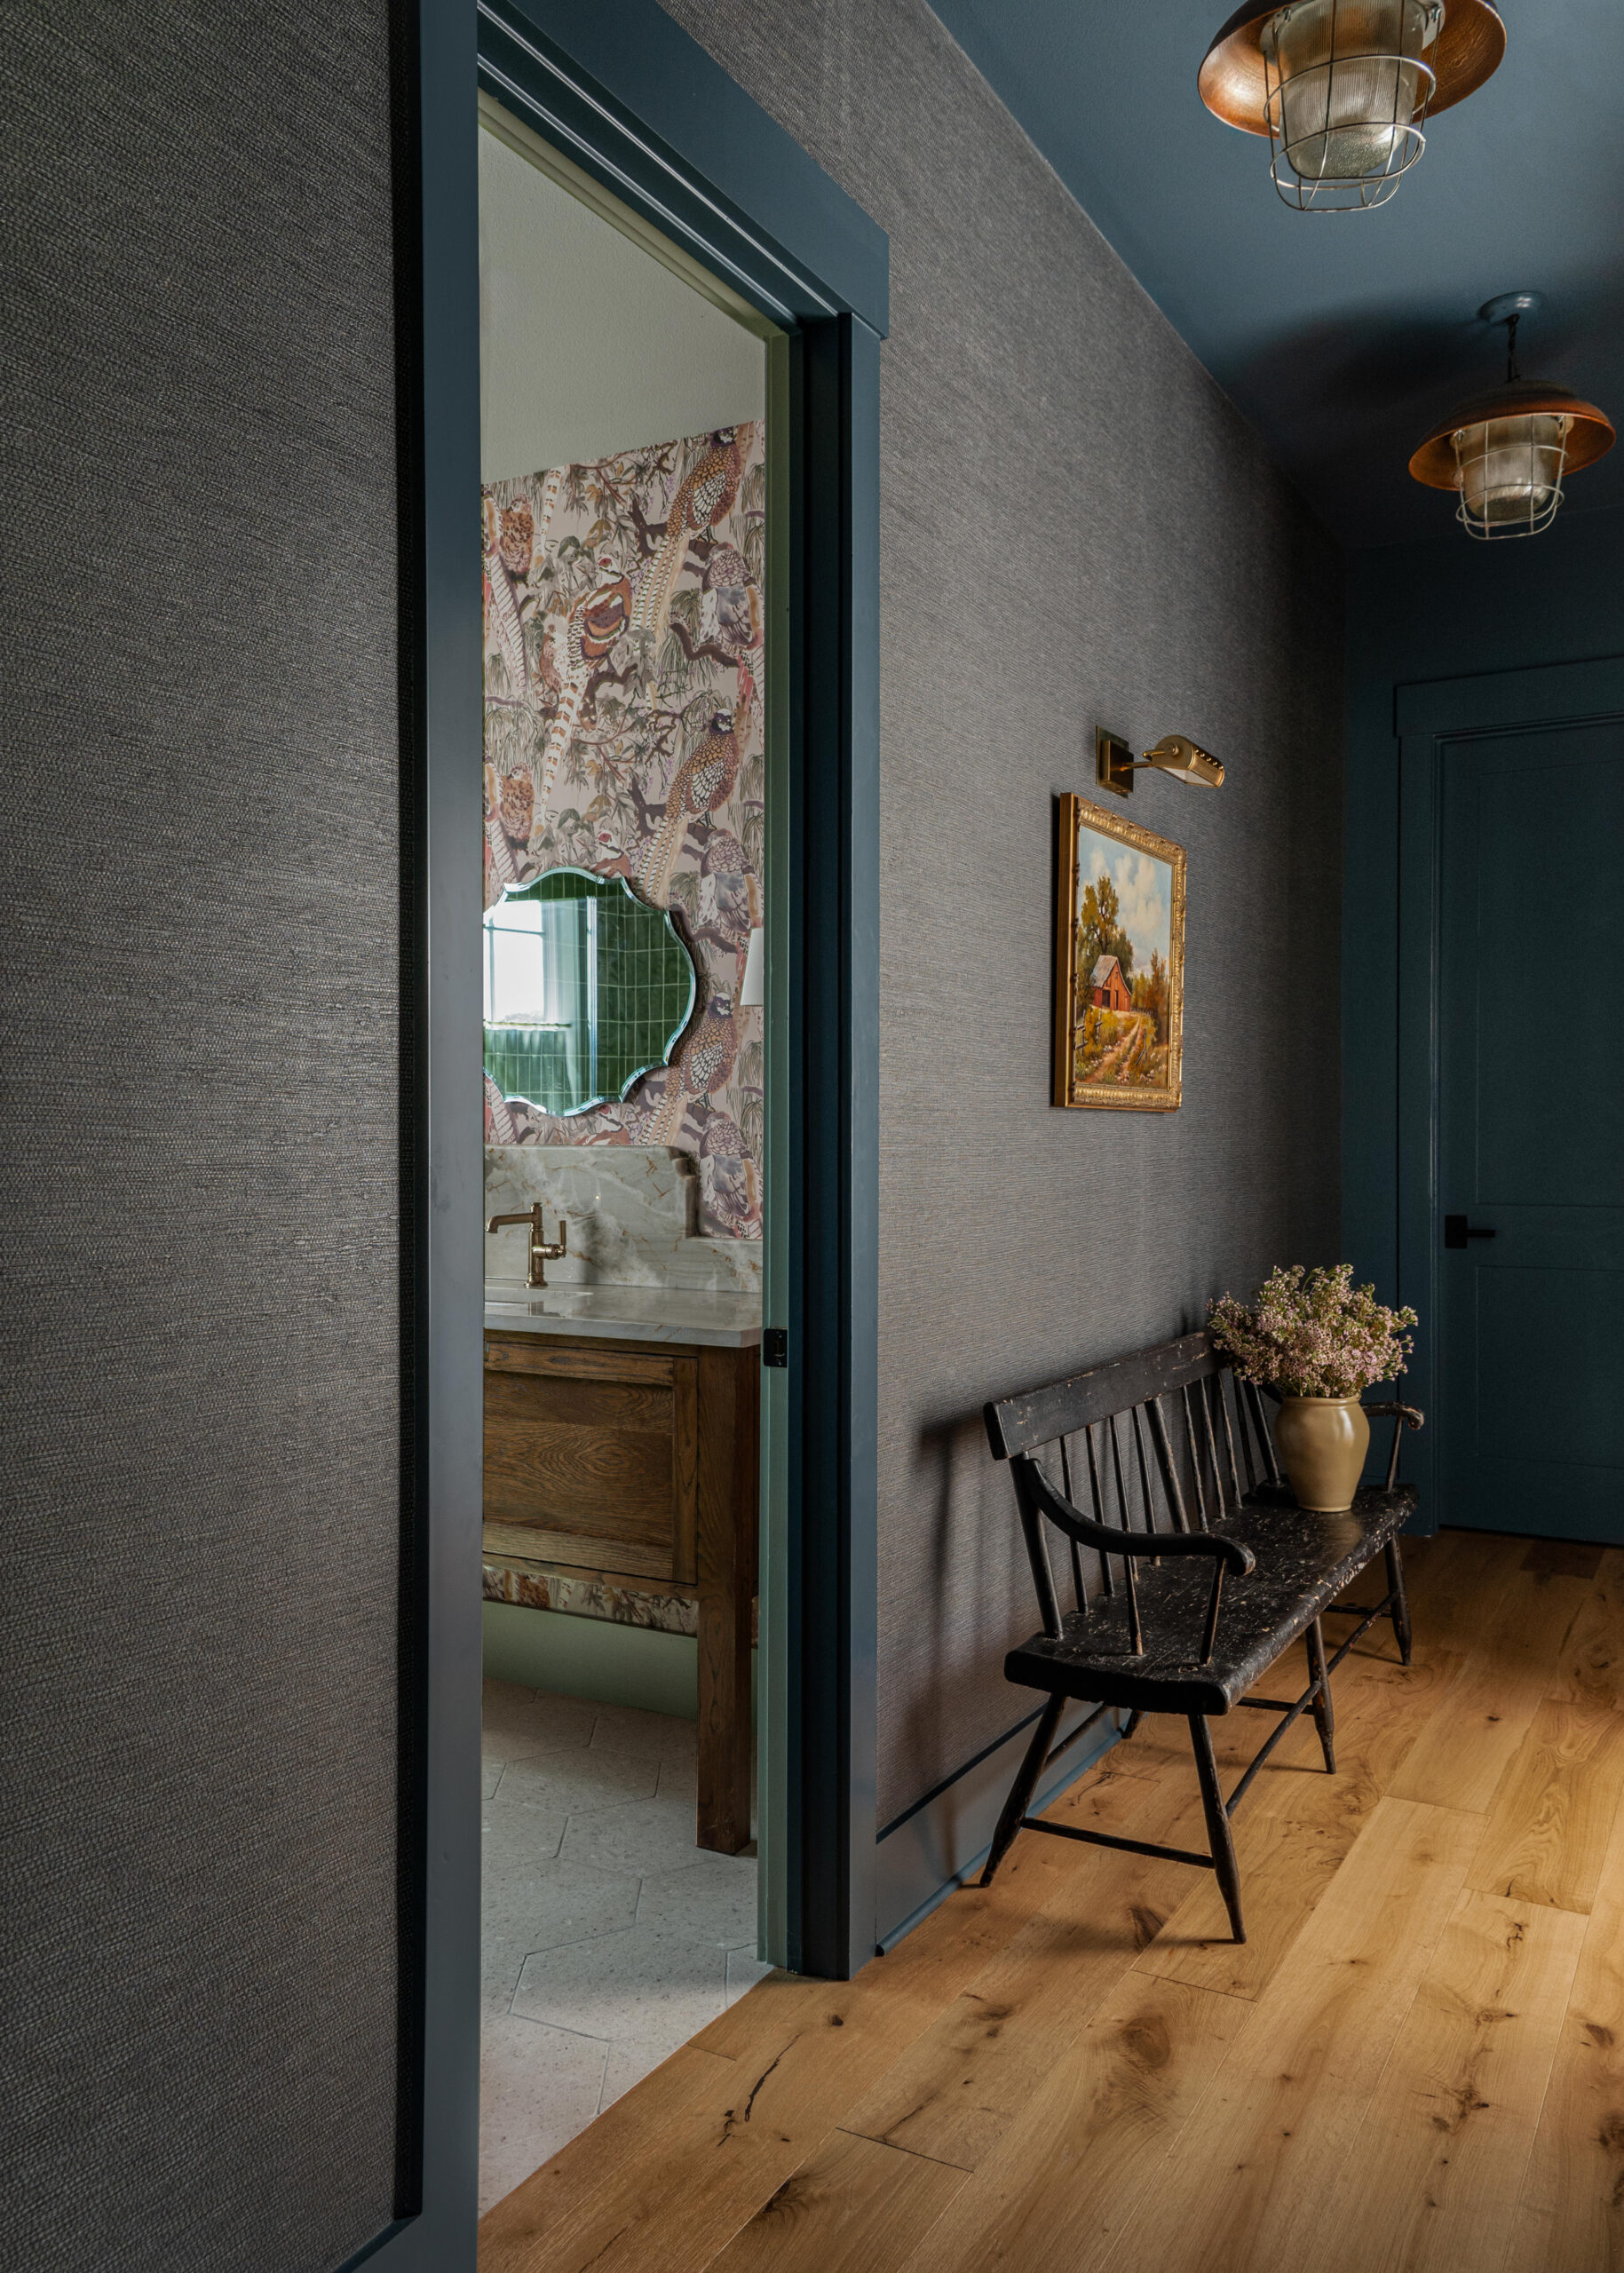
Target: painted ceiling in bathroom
[{"x": 1341, "y": 336}]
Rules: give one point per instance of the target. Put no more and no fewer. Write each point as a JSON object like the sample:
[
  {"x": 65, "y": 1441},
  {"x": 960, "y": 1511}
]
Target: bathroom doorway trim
[{"x": 629, "y": 104}]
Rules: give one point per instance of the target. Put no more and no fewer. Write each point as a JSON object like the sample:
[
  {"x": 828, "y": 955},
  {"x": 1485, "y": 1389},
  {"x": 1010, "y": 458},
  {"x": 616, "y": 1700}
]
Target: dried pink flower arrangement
[{"x": 1312, "y": 1333}]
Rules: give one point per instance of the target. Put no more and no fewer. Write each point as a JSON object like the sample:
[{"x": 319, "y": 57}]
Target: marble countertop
[{"x": 731, "y": 1322}]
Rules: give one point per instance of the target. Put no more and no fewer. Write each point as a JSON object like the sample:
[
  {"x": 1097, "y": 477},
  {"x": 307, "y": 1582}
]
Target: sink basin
[{"x": 513, "y": 1294}]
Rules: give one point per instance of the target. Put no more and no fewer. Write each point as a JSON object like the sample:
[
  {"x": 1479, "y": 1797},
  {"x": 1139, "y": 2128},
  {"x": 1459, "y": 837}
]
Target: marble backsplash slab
[{"x": 633, "y": 1217}]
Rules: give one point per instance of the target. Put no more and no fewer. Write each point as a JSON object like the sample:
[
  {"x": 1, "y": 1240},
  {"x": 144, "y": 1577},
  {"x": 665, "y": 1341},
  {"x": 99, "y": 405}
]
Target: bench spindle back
[{"x": 1160, "y": 1432}]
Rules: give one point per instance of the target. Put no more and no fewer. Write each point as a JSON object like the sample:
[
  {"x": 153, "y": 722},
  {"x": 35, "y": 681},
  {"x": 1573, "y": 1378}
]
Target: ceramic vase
[{"x": 1322, "y": 1442}]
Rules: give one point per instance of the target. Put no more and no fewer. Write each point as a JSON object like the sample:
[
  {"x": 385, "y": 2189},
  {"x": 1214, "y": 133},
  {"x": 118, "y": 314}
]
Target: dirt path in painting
[{"x": 1119, "y": 1065}]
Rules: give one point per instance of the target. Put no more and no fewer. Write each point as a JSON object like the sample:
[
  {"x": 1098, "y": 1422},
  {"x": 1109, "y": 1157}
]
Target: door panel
[
  {"x": 1530, "y": 1064},
  {"x": 1534, "y": 1333}
]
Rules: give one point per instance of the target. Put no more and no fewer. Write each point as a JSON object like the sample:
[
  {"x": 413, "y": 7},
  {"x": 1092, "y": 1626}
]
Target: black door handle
[{"x": 1457, "y": 1230}]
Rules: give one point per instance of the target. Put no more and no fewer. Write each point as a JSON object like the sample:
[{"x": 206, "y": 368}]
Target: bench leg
[
  {"x": 1402, "y": 1602},
  {"x": 1219, "y": 1841},
  {"x": 1325, "y": 1714},
  {"x": 1025, "y": 1783},
  {"x": 1134, "y": 1719}
]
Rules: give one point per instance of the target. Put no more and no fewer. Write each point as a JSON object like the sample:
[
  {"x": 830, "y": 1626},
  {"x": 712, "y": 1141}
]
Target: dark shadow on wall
[
  {"x": 981, "y": 1588},
  {"x": 978, "y": 1611}
]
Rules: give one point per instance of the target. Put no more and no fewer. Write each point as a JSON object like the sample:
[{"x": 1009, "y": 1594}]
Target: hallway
[{"x": 1414, "y": 2061}]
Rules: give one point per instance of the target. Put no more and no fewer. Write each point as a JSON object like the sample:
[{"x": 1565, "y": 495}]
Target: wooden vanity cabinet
[{"x": 637, "y": 1463}]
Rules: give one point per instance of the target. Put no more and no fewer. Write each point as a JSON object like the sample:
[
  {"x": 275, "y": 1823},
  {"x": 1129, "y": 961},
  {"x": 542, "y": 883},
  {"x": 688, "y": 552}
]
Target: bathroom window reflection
[
  {"x": 541, "y": 1001},
  {"x": 586, "y": 989}
]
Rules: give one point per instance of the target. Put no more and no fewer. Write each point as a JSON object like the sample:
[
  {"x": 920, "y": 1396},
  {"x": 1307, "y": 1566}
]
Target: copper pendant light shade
[
  {"x": 1590, "y": 432},
  {"x": 1506, "y": 452},
  {"x": 1467, "y": 51},
  {"x": 1343, "y": 88}
]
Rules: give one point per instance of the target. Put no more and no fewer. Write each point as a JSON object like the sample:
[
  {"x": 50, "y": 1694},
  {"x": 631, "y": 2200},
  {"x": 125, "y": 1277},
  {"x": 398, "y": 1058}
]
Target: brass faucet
[{"x": 541, "y": 1253}]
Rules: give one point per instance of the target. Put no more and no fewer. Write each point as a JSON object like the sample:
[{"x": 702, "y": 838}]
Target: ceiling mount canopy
[
  {"x": 1343, "y": 88},
  {"x": 1506, "y": 452}
]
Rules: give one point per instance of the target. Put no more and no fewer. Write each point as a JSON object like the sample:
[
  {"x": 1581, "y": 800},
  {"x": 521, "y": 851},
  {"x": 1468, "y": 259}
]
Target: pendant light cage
[
  {"x": 1347, "y": 84},
  {"x": 1508, "y": 472},
  {"x": 1506, "y": 453}
]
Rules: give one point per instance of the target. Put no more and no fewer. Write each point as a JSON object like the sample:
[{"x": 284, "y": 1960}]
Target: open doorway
[{"x": 624, "y": 464}]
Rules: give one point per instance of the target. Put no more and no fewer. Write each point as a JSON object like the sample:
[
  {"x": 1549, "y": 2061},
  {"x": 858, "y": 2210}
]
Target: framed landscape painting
[{"x": 1119, "y": 963}]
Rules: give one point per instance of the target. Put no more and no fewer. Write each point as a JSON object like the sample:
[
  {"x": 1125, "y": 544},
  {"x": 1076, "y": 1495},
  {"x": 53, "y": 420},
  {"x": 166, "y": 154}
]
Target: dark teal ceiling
[{"x": 1343, "y": 337}]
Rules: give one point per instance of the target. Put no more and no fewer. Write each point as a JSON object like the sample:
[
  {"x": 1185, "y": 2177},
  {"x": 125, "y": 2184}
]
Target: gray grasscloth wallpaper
[
  {"x": 199, "y": 1407},
  {"x": 1076, "y": 527}
]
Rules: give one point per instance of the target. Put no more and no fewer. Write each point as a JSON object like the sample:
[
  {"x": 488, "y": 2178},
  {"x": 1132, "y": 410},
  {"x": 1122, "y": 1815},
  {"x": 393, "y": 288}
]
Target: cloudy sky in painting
[{"x": 1144, "y": 885}]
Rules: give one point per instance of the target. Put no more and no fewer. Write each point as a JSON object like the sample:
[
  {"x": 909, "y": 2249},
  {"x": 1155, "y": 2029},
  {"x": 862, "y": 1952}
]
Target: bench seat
[{"x": 1303, "y": 1562}]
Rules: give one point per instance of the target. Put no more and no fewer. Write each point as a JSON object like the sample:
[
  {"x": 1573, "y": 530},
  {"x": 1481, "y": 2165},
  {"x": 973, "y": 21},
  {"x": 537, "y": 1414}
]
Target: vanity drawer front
[{"x": 593, "y": 1456}]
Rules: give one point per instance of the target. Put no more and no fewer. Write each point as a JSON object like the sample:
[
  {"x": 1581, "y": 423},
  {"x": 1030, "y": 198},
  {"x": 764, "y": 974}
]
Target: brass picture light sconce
[{"x": 1115, "y": 764}]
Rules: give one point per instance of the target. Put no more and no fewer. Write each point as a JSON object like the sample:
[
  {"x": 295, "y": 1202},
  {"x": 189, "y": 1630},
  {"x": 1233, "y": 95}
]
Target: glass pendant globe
[
  {"x": 1349, "y": 86},
  {"x": 1511, "y": 473}
]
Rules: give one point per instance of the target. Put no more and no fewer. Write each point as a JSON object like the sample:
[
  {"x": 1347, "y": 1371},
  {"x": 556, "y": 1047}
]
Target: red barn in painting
[{"x": 1107, "y": 987}]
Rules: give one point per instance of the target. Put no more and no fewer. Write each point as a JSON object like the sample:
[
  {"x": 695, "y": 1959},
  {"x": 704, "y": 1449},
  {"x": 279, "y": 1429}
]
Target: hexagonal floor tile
[
  {"x": 711, "y": 1898},
  {"x": 622, "y": 1728},
  {"x": 555, "y": 1903},
  {"x": 538, "y": 2087},
  {"x": 519, "y": 1723},
  {"x": 639, "y": 1982},
  {"x": 646, "y": 1837},
  {"x": 744, "y": 1970},
  {"x": 580, "y": 1782}
]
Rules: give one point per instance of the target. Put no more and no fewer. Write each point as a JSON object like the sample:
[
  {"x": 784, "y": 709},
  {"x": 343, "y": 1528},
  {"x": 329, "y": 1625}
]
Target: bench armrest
[
  {"x": 1107, "y": 1540},
  {"x": 1039, "y": 1500},
  {"x": 1408, "y": 1416}
]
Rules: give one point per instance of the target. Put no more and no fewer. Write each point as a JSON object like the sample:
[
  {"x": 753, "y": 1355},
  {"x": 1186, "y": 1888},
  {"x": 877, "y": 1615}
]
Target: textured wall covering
[
  {"x": 1076, "y": 527},
  {"x": 623, "y": 734},
  {"x": 199, "y": 1352}
]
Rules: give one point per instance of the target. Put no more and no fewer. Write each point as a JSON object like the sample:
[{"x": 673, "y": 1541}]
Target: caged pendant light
[
  {"x": 1343, "y": 88},
  {"x": 1507, "y": 453}
]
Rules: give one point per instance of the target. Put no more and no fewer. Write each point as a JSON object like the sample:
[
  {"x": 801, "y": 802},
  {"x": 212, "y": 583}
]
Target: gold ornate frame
[{"x": 1073, "y": 813}]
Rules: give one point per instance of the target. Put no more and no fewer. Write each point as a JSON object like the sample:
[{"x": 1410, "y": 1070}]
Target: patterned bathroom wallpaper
[{"x": 624, "y": 733}]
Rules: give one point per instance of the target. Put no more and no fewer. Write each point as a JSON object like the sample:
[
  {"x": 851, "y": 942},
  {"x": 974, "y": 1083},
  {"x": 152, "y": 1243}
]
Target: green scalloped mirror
[{"x": 587, "y": 988}]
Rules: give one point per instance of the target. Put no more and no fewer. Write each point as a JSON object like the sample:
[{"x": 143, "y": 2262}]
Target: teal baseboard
[
  {"x": 941, "y": 1843},
  {"x": 592, "y": 1658},
  {"x": 595, "y": 1659}
]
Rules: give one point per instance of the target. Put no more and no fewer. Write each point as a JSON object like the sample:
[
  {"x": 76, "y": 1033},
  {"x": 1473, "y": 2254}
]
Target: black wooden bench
[{"x": 1220, "y": 1570}]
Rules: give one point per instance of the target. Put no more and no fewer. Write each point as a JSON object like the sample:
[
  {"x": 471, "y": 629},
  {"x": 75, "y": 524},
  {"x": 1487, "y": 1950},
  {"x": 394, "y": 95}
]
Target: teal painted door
[{"x": 1530, "y": 1184}]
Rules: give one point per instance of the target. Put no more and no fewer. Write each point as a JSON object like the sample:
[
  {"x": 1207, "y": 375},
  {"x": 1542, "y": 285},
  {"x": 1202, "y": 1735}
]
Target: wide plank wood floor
[{"x": 1415, "y": 2062}]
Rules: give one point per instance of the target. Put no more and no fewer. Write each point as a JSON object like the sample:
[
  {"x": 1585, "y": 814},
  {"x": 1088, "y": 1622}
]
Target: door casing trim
[{"x": 644, "y": 111}]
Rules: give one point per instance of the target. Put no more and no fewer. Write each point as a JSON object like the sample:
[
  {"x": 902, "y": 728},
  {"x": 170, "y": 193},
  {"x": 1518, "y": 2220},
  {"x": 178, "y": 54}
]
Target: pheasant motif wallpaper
[{"x": 624, "y": 733}]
